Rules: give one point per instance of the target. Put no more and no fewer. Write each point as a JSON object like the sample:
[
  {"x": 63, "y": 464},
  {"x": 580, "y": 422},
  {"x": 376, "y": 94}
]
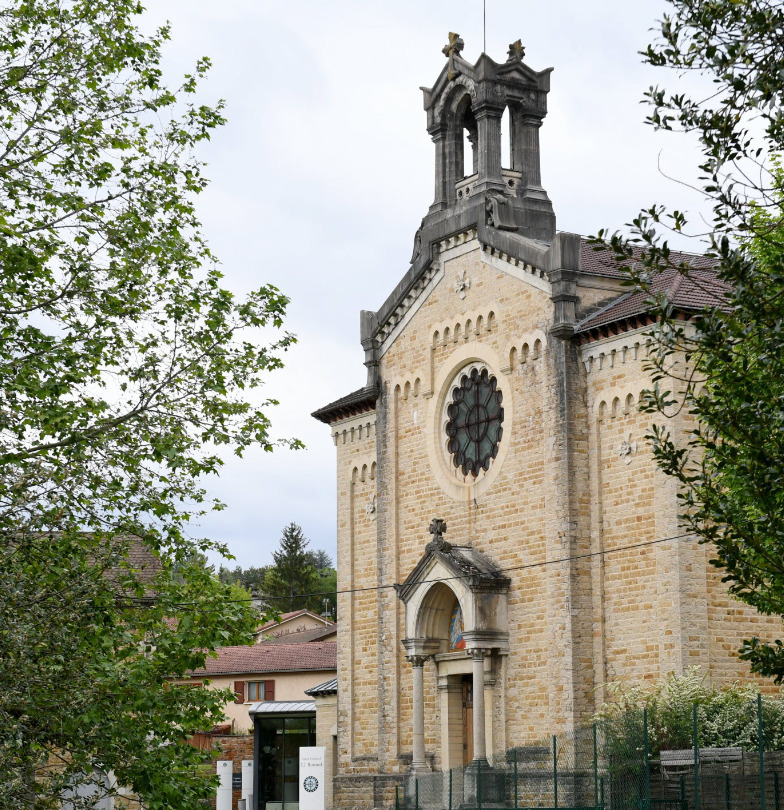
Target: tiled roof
[
  {"x": 352, "y": 404},
  {"x": 327, "y": 688},
  {"x": 602, "y": 262},
  {"x": 271, "y": 658},
  {"x": 688, "y": 293},
  {"x": 301, "y": 636}
]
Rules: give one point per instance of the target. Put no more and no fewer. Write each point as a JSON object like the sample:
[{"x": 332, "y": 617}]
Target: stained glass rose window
[{"x": 475, "y": 416}]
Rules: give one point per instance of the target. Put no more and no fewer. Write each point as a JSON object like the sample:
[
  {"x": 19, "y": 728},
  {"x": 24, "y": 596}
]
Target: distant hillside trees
[{"x": 248, "y": 578}]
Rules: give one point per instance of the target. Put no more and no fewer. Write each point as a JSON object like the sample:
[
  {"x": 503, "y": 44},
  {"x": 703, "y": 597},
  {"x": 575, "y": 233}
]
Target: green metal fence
[{"x": 627, "y": 764}]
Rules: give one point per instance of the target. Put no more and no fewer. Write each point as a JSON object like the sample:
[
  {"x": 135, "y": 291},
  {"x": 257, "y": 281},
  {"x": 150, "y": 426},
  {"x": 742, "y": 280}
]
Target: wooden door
[{"x": 468, "y": 719}]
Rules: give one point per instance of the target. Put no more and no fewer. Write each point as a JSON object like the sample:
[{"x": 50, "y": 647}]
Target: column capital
[
  {"x": 479, "y": 653},
  {"x": 417, "y": 660},
  {"x": 529, "y": 119},
  {"x": 424, "y": 647}
]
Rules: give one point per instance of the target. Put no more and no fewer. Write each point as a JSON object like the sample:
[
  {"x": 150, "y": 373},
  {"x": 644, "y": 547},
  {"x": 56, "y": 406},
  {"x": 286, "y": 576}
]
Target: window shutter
[
  {"x": 239, "y": 691},
  {"x": 269, "y": 690}
]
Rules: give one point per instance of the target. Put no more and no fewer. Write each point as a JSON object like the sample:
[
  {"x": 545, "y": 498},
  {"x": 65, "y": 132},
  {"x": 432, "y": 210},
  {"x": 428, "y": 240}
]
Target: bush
[{"x": 726, "y": 718}]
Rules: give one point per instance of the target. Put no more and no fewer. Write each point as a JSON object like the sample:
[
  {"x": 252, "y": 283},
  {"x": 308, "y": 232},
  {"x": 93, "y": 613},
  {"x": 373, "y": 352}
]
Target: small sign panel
[
  {"x": 312, "y": 778},
  {"x": 247, "y": 778},
  {"x": 236, "y": 781},
  {"x": 224, "y": 767}
]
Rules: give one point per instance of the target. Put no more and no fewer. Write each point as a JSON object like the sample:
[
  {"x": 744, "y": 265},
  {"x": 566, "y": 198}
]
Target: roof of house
[
  {"x": 301, "y": 636},
  {"x": 271, "y": 658},
  {"x": 329, "y": 687},
  {"x": 293, "y": 614},
  {"x": 689, "y": 293}
]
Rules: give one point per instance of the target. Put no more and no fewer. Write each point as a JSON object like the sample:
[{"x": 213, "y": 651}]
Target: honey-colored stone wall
[
  {"x": 572, "y": 509},
  {"x": 357, "y": 654},
  {"x": 659, "y": 608}
]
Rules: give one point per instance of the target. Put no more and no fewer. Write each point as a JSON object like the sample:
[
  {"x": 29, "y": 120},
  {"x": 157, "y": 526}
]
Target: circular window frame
[
  {"x": 451, "y": 479},
  {"x": 449, "y": 400}
]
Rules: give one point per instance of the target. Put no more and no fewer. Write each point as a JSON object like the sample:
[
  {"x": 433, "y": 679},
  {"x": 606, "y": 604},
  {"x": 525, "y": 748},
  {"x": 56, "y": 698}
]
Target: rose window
[{"x": 475, "y": 415}]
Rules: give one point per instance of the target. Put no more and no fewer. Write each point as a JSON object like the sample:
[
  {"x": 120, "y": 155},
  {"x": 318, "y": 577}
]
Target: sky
[{"x": 325, "y": 169}]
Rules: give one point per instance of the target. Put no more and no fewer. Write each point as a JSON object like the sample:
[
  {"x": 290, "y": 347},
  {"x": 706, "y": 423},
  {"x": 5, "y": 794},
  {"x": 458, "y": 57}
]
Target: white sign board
[
  {"x": 223, "y": 799},
  {"x": 247, "y": 778},
  {"x": 312, "y": 778}
]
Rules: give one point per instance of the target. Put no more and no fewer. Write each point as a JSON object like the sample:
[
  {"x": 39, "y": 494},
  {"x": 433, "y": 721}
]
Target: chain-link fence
[{"x": 699, "y": 757}]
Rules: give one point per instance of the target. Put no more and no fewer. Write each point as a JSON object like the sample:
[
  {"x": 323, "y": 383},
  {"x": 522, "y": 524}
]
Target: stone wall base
[{"x": 367, "y": 791}]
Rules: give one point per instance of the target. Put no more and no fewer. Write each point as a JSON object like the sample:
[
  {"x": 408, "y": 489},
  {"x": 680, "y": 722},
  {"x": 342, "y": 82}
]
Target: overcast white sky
[{"x": 325, "y": 169}]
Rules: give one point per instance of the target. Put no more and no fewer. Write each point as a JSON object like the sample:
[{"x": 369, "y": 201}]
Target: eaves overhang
[{"x": 353, "y": 404}]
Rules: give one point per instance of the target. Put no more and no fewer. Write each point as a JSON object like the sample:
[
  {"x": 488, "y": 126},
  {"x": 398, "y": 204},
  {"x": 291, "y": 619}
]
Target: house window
[{"x": 261, "y": 690}]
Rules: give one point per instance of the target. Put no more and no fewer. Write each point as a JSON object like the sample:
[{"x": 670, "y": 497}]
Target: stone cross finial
[
  {"x": 516, "y": 52},
  {"x": 455, "y": 45},
  {"x": 438, "y": 530}
]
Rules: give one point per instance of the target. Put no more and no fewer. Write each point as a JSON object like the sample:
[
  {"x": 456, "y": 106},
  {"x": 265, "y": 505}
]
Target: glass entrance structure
[{"x": 280, "y": 729}]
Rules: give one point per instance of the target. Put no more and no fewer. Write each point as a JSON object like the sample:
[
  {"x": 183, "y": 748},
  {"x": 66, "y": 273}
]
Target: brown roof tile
[
  {"x": 602, "y": 262},
  {"x": 689, "y": 293},
  {"x": 300, "y": 636},
  {"x": 271, "y": 658},
  {"x": 352, "y": 404}
]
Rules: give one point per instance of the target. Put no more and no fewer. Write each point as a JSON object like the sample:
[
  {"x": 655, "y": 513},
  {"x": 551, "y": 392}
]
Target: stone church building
[{"x": 497, "y": 501}]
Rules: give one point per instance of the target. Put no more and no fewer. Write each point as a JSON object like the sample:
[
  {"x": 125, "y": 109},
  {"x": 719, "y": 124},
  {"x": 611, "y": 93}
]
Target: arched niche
[
  {"x": 447, "y": 573},
  {"x": 436, "y": 615}
]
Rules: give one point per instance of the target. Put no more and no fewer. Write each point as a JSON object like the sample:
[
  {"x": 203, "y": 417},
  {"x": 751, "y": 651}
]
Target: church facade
[{"x": 506, "y": 545}]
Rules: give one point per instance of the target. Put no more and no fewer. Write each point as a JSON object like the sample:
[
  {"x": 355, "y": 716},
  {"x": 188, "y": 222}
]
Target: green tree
[
  {"x": 328, "y": 596},
  {"x": 124, "y": 367},
  {"x": 248, "y": 578},
  {"x": 731, "y": 467},
  {"x": 321, "y": 559},
  {"x": 293, "y": 583}
]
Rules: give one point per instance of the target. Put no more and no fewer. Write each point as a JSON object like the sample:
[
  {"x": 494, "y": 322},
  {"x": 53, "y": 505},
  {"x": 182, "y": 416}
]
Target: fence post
[
  {"x": 555, "y": 772},
  {"x": 696, "y": 760},
  {"x": 647, "y": 758},
  {"x": 761, "y": 751},
  {"x": 515, "y": 778},
  {"x": 595, "y": 770},
  {"x": 416, "y": 793},
  {"x": 397, "y": 797},
  {"x": 682, "y": 792},
  {"x": 776, "y": 790},
  {"x": 601, "y": 792},
  {"x": 479, "y": 784},
  {"x": 726, "y": 791},
  {"x": 451, "y": 771}
]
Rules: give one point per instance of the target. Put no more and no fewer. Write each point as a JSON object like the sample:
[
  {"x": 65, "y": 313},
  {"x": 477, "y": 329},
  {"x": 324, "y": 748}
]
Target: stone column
[
  {"x": 525, "y": 148},
  {"x": 472, "y": 139},
  {"x": 418, "y": 761},
  {"x": 488, "y": 119},
  {"x": 480, "y": 749},
  {"x": 440, "y": 200}
]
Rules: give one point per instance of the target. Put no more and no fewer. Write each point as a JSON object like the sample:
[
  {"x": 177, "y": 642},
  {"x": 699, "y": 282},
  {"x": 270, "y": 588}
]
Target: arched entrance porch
[{"x": 456, "y": 613}]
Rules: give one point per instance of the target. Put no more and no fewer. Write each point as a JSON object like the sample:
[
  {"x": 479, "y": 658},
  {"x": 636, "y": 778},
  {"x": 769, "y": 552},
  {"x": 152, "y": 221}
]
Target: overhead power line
[{"x": 527, "y": 566}]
